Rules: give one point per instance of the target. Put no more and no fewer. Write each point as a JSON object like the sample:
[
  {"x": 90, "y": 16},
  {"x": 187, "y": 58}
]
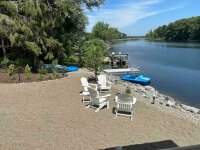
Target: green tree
[
  {"x": 94, "y": 53},
  {"x": 41, "y": 29},
  {"x": 105, "y": 32}
]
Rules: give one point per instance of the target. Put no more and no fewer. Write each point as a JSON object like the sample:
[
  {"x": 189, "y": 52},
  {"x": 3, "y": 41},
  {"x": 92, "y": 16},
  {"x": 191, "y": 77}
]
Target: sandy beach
[{"x": 51, "y": 115}]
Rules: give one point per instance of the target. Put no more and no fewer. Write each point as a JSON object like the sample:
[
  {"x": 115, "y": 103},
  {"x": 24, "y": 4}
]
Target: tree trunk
[
  {"x": 3, "y": 48},
  {"x": 19, "y": 75},
  {"x": 95, "y": 73},
  {"x": 34, "y": 60}
]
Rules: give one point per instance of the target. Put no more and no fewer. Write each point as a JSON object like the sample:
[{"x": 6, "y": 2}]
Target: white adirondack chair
[
  {"x": 103, "y": 84},
  {"x": 85, "y": 94},
  {"x": 97, "y": 101},
  {"x": 125, "y": 106}
]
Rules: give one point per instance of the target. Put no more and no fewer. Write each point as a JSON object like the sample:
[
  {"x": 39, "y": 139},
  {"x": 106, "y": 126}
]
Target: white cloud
[{"x": 126, "y": 14}]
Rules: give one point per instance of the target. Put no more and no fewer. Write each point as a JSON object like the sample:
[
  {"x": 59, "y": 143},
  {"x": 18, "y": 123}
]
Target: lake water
[{"x": 173, "y": 67}]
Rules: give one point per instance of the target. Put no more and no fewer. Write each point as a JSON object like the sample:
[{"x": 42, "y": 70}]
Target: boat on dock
[
  {"x": 119, "y": 65},
  {"x": 119, "y": 60}
]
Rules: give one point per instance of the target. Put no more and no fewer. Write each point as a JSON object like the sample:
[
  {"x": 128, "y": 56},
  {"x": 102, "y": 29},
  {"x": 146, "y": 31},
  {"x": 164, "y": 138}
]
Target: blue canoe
[
  {"x": 60, "y": 68},
  {"x": 140, "y": 79}
]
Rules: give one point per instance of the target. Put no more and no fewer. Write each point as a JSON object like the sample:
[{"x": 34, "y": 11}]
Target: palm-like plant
[{"x": 94, "y": 54}]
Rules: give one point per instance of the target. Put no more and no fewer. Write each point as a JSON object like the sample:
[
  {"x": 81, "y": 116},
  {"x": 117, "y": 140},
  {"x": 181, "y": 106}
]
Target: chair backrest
[
  {"x": 125, "y": 106},
  {"x": 84, "y": 82},
  {"x": 102, "y": 80},
  {"x": 125, "y": 102},
  {"x": 125, "y": 98}
]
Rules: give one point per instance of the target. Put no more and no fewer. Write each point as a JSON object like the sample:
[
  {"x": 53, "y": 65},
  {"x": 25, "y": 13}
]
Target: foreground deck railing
[{"x": 193, "y": 147}]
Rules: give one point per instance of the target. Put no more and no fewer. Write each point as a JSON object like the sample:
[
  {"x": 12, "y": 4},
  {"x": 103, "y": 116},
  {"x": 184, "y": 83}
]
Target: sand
[{"x": 51, "y": 115}]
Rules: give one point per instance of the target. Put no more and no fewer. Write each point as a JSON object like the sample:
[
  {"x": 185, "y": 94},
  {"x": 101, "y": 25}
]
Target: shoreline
[{"x": 162, "y": 102}]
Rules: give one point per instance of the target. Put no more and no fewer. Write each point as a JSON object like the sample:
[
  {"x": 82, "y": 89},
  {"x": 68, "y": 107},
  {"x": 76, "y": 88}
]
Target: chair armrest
[
  {"x": 116, "y": 99},
  {"x": 99, "y": 84},
  {"x": 93, "y": 84},
  {"x": 104, "y": 96},
  {"x": 110, "y": 83},
  {"x": 134, "y": 100}
]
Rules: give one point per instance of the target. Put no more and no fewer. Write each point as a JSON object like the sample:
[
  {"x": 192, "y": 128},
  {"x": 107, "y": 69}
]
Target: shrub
[
  {"x": 28, "y": 72},
  {"x": 42, "y": 71},
  {"x": 11, "y": 70},
  {"x": 4, "y": 62},
  {"x": 49, "y": 77},
  {"x": 54, "y": 69},
  {"x": 40, "y": 64},
  {"x": 57, "y": 76},
  {"x": 41, "y": 76},
  {"x": 128, "y": 90}
]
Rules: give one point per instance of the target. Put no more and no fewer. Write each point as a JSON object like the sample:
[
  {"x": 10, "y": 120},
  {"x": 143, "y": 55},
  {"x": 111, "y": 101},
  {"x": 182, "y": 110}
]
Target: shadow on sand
[{"x": 148, "y": 146}]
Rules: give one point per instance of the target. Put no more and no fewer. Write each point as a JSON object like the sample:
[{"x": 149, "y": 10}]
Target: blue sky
[{"x": 137, "y": 17}]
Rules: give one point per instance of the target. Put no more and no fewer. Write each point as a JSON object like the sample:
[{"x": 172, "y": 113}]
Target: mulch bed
[{"x": 5, "y": 78}]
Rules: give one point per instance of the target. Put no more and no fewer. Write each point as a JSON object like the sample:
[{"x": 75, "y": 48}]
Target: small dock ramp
[{"x": 121, "y": 71}]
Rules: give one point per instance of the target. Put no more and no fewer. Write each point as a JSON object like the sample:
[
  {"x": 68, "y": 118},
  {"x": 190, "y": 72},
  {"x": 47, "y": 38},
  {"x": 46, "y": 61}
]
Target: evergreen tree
[{"x": 41, "y": 29}]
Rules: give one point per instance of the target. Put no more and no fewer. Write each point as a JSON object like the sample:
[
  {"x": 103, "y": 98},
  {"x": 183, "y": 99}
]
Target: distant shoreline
[
  {"x": 128, "y": 39},
  {"x": 154, "y": 40},
  {"x": 162, "y": 40}
]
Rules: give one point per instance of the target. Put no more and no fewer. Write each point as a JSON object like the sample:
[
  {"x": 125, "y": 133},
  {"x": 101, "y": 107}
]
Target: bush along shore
[{"x": 160, "y": 101}]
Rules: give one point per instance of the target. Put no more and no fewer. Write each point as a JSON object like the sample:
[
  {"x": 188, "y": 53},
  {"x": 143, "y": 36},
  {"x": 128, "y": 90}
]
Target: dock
[{"x": 122, "y": 70}]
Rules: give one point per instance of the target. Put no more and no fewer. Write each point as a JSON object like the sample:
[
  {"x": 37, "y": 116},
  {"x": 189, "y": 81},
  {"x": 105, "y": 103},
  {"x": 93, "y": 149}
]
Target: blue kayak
[
  {"x": 72, "y": 68},
  {"x": 140, "y": 79}
]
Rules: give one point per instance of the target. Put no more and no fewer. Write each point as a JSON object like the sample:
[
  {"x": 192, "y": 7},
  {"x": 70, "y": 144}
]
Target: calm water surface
[{"x": 173, "y": 67}]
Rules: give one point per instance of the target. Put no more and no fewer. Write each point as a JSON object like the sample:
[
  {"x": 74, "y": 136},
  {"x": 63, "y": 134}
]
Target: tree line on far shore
[{"x": 180, "y": 30}]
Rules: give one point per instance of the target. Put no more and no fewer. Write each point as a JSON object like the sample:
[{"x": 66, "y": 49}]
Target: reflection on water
[{"x": 173, "y": 67}]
